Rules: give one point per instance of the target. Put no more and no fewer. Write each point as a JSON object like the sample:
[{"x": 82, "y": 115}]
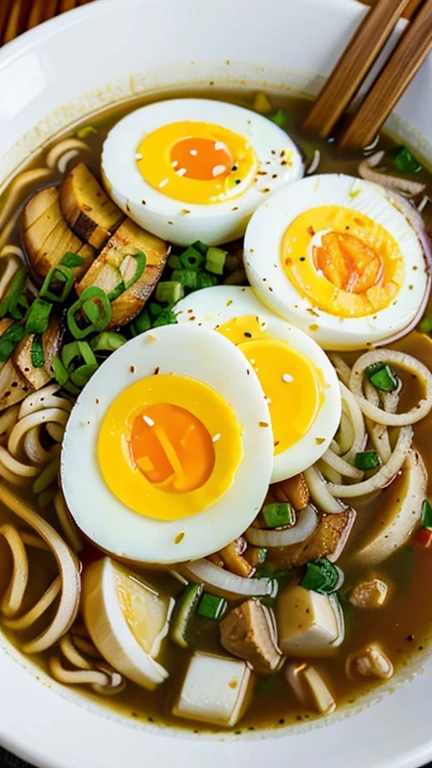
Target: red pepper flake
[
  {"x": 251, "y": 250},
  {"x": 276, "y": 443},
  {"x": 192, "y": 317},
  {"x": 288, "y": 262},
  {"x": 89, "y": 422},
  {"x": 267, "y": 189},
  {"x": 263, "y": 424},
  {"x": 262, "y": 173},
  {"x": 248, "y": 371},
  {"x": 423, "y": 538},
  {"x": 235, "y": 208},
  {"x": 310, "y": 231}
]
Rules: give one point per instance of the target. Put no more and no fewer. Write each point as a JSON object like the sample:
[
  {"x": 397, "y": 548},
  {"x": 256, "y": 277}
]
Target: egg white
[
  {"x": 262, "y": 257},
  {"x": 213, "y": 307},
  {"x": 165, "y": 217},
  {"x": 188, "y": 351}
]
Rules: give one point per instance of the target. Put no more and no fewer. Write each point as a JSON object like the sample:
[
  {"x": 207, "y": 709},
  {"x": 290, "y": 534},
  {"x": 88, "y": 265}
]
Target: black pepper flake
[
  {"x": 143, "y": 202},
  {"x": 302, "y": 258},
  {"x": 284, "y": 162},
  {"x": 134, "y": 714},
  {"x": 234, "y": 168},
  {"x": 89, "y": 422},
  {"x": 156, "y": 370},
  {"x": 276, "y": 443},
  {"x": 97, "y": 401},
  {"x": 127, "y": 207},
  {"x": 281, "y": 721},
  {"x": 266, "y": 189},
  {"x": 235, "y": 208},
  {"x": 274, "y": 176},
  {"x": 237, "y": 181},
  {"x": 171, "y": 222},
  {"x": 132, "y": 369},
  {"x": 14, "y": 384},
  {"x": 248, "y": 371},
  {"x": 247, "y": 334},
  {"x": 410, "y": 638},
  {"x": 150, "y": 719}
]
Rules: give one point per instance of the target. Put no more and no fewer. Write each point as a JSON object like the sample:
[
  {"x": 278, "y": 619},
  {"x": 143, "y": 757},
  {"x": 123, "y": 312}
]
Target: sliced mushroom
[
  {"x": 47, "y": 238},
  {"x": 249, "y": 632},
  {"x": 36, "y": 378},
  {"x": 106, "y": 273},
  {"x": 294, "y": 490},
  {"x": 310, "y": 688},
  {"x": 326, "y": 541},
  {"x": 13, "y": 386},
  {"x": 369, "y": 662},
  {"x": 52, "y": 341},
  {"x": 309, "y": 624},
  {"x": 88, "y": 210},
  {"x": 369, "y": 594},
  {"x": 396, "y": 515}
]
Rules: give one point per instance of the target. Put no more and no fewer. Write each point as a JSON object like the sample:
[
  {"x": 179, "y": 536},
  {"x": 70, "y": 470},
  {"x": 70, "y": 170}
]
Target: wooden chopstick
[
  {"x": 17, "y": 19},
  {"x": 353, "y": 66},
  {"x": 401, "y": 68}
]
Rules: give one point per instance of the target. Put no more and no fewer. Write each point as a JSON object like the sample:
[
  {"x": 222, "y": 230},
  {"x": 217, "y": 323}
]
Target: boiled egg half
[
  {"x": 168, "y": 452},
  {"x": 188, "y": 169},
  {"x": 333, "y": 255},
  {"x": 299, "y": 383}
]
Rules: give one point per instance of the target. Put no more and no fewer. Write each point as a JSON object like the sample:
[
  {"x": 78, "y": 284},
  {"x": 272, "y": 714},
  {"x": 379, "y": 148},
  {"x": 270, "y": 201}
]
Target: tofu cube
[
  {"x": 216, "y": 690},
  {"x": 307, "y": 623}
]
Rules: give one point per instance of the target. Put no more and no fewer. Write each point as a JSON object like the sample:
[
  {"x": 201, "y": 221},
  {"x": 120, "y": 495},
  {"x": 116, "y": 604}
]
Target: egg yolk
[
  {"x": 292, "y": 384},
  {"x": 169, "y": 447},
  {"x": 342, "y": 261},
  {"x": 197, "y": 163},
  {"x": 172, "y": 448}
]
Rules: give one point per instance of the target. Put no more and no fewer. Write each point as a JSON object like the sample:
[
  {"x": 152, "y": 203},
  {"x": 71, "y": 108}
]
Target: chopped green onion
[
  {"x": 155, "y": 309},
  {"x": 107, "y": 341},
  {"x": 80, "y": 376},
  {"x": 231, "y": 263},
  {"x": 76, "y": 351},
  {"x": 141, "y": 261},
  {"x": 71, "y": 388},
  {"x": 60, "y": 373},
  {"x": 141, "y": 324},
  {"x": 279, "y": 118},
  {"x": 72, "y": 260},
  {"x": 278, "y": 514},
  {"x": 57, "y": 284},
  {"x": 174, "y": 262},
  {"x": 166, "y": 317},
  {"x": 205, "y": 280},
  {"x": 322, "y": 576},
  {"x": 215, "y": 260},
  {"x": 212, "y": 606},
  {"x": 38, "y": 316},
  {"x": 169, "y": 292},
  {"x": 12, "y": 303},
  {"x": 200, "y": 246},
  {"x": 187, "y": 277},
  {"x": 427, "y": 515},
  {"x": 382, "y": 377},
  {"x": 80, "y": 325},
  {"x": 37, "y": 352},
  {"x": 9, "y": 340},
  {"x": 185, "y": 609},
  {"x": 425, "y": 326},
  {"x": 192, "y": 259},
  {"x": 367, "y": 460},
  {"x": 86, "y": 131},
  {"x": 117, "y": 291},
  {"x": 405, "y": 160}
]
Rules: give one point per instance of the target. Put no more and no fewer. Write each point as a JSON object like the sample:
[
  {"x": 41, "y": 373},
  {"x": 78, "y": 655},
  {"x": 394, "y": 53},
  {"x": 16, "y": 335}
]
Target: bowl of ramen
[{"x": 215, "y": 397}]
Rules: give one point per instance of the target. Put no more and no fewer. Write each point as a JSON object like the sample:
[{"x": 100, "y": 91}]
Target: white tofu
[
  {"x": 307, "y": 623},
  {"x": 216, "y": 690}
]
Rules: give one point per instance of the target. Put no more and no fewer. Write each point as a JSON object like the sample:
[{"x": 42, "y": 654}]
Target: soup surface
[{"x": 373, "y": 609}]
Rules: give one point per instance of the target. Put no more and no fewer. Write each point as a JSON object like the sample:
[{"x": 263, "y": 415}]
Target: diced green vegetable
[
  {"x": 80, "y": 376},
  {"x": 427, "y": 515},
  {"x": 80, "y": 325},
  {"x": 382, "y": 377},
  {"x": 426, "y": 324},
  {"x": 155, "y": 309},
  {"x": 12, "y": 304},
  {"x": 72, "y": 260},
  {"x": 75, "y": 353},
  {"x": 57, "y": 284},
  {"x": 141, "y": 261},
  {"x": 117, "y": 291},
  {"x": 166, "y": 317},
  {"x": 322, "y": 576},
  {"x": 107, "y": 341},
  {"x": 60, "y": 373},
  {"x": 405, "y": 160},
  {"x": 185, "y": 609},
  {"x": 169, "y": 292},
  {"x": 174, "y": 262},
  {"x": 279, "y": 118},
  {"x": 192, "y": 258},
  {"x": 212, "y": 606},
  {"x": 37, "y": 353},
  {"x": 187, "y": 277},
  {"x": 38, "y": 317},
  {"x": 200, "y": 246},
  {"x": 367, "y": 460},
  {"x": 9, "y": 340},
  {"x": 215, "y": 260},
  {"x": 278, "y": 514},
  {"x": 141, "y": 324},
  {"x": 231, "y": 263}
]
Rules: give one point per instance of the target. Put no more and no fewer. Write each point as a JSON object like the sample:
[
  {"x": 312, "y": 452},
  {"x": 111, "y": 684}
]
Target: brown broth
[{"x": 402, "y": 626}]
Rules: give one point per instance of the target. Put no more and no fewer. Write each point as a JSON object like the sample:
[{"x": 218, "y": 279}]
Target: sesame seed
[
  {"x": 148, "y": 421},
  {"x": 287, "y": 378},
  {"x": 193, "y": 152},
  {"x": 268, "y": 400},
  {"x": 181, "y": 172},
  {"x": 163, "y": 183},
  {"x": 219, "y": 145},
  {"x": 138, "y": 156},
  {"x": 217, "y": 170},
  {"x": 174, "y": 163},
  {"x": 216, "y": 437}
]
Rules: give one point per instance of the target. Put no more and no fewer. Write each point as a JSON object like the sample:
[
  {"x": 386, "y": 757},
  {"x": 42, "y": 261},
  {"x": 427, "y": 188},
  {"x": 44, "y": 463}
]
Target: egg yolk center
[
  {"x": 348, "y": 263},
  {"x": 201, "y": 159},
  {"x": 292, "y": 385},
  {"x": 172, "y": 448}
]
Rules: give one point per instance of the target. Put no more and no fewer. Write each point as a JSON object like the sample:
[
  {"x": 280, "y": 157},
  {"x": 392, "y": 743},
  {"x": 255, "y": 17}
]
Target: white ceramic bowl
[{"x": 55, "y": 75}]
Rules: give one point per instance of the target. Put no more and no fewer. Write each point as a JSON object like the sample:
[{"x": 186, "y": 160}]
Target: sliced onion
[
  {"x": 307, "y": 522},
  {"x": 222, "y": 582},
  {"x": 319, "y": 492},
  {"x": 366, "y": 171}
]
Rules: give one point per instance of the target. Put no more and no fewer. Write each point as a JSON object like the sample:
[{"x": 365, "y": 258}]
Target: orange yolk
[
  {"x": 348, "y": 263},
  {"x": 201, "y": 159},
  {"x": 172, "y": 448}
]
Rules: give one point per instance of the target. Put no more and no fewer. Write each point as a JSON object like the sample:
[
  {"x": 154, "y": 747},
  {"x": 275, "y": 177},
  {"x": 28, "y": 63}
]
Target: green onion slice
[
  {"x": 78, "y": 320},
  {"x": 367, "y": 460},
  {"x": 107, "y": 341},
  {"x": 405, "y": 160},
  {"x": 212, "y": 606},
  {"x": 57, "y": 284},
  {"x": 141, "y": 324},
  {"x": 192, "y": 258},
  {"x": 427, "y": 515},
  {"x": 72, "y": 260},
  {"x": 215, "y": 260},
  {"x": 166, "y": 317},
  {"x": 37, "y": 352},
  {"x": 322, "y": 576},
  {"x": 278, "y": 514},
  {"x": 382, "y": 377},
  {"x": 169, "y": 292},
  {"x": 9, "y": 340},
  {"x": 38, "y": 316},
  {"x": 279, "y": 118}
]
